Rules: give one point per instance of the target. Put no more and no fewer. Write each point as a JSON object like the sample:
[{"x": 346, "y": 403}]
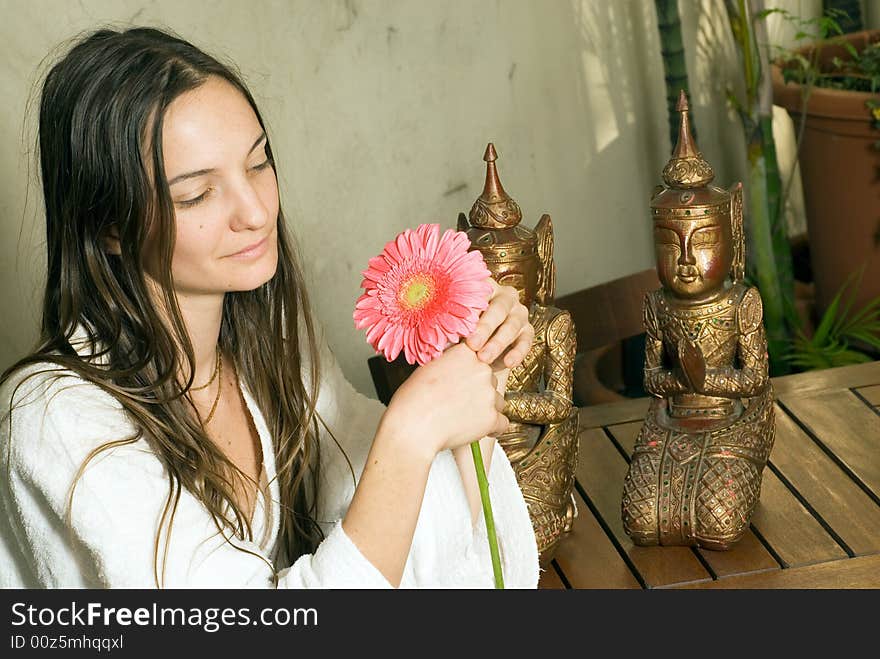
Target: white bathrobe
[{"x": 118, "y": 502}]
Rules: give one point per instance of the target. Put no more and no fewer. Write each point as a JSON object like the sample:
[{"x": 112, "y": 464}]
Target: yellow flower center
[{"x": 416, "y": 292}]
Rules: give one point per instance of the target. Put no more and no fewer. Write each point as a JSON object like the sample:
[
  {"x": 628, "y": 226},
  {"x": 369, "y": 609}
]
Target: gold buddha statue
[
  {"x": 542, "y": 440},
  {"x": 695, "y": 474}
]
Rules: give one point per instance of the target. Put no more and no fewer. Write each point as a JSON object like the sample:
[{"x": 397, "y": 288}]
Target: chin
[
  {"x": 694, "y": 291},
  {"x": 254, "y": 275}
]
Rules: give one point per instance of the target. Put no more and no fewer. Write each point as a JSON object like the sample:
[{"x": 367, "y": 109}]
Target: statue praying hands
[{"x": 695, "y": 474}]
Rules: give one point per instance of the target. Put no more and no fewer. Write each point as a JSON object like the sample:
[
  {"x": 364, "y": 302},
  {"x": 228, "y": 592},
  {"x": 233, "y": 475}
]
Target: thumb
[{"x": 502, "y": 423}]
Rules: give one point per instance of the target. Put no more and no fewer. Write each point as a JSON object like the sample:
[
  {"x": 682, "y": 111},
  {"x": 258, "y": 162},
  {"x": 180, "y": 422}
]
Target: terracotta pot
[{"x": 841, "y": 174}]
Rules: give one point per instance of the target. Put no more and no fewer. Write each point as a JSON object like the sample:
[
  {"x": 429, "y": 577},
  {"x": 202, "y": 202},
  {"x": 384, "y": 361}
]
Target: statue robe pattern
[{"x": 695, "y": 475}]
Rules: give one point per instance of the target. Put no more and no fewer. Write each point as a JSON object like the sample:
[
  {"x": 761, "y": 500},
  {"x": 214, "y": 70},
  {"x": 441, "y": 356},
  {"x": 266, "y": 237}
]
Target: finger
[
  {"x": 500, "y": 306},
  {"x": 505, "y": 335},
  {"x": 500, "y": 402},
  {"x": 520, "y": 349}
]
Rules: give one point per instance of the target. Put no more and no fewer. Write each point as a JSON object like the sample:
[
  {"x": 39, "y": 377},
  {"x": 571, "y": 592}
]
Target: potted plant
[{"x": 831, "y": 87}]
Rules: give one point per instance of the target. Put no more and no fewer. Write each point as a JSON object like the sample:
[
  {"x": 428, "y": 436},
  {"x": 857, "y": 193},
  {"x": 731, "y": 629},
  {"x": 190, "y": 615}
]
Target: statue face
[
  {"x": 693, "y": 256},
  {"x": 521, "y": 275}
]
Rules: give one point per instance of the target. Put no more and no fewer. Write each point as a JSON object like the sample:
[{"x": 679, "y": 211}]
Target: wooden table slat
[
  {"x": 589, "y": 559},
  {"x": 596, "y": 416},
  {"x": 626, "y": 435},
  {"x": 871, "y": 394},
  {"x": 848, "y": 427},
  {"x": 844, "y": 377},
  {"x": 549, "y": 580},
  {"x": 860, "y": 572},
  {"x": 601, "y": 470},
  {"x": 842, "y": 504},
  {"x": 795, "y": 535},
  {"x": 749, "y": 555}
]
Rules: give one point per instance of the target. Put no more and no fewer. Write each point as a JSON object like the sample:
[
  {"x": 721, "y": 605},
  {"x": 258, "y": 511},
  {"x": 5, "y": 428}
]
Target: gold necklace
[
  {"x": 219, "y": 389},
  {"x": 213, "y": 376}
]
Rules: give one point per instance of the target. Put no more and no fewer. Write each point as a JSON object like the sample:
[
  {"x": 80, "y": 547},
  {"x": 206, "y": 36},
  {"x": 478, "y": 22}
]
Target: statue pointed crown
[
  {"x": 494, "y": 209},
  {"x": 512, "y": 251},
  {"x": 686, "y": 168}
]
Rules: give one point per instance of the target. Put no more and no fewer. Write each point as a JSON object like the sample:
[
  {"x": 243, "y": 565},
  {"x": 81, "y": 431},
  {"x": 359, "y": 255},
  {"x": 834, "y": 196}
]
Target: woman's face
[{"x": 224, "y": 191}]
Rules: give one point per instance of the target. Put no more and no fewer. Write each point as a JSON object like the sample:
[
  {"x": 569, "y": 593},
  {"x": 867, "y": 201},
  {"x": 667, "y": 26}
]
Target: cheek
[
  {"x": 196, "y": 239},
  {"x": 268, "y": 191},
  {"x": 667, "y": 262},
  {"x": 712, "y": 264}
]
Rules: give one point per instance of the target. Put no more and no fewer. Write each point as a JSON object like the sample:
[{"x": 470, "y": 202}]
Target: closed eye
[
  {"x": 195, "y": 201},
  {"x": 706, "y": 236},
  {"x": 664, "y": 236},
  {"x": 263, "y": 165}
]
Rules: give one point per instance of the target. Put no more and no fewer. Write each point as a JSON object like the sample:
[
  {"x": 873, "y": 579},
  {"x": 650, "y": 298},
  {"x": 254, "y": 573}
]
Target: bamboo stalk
[
  {"x": 770, "y": 263},
  {"x": 674, "y": 64}
]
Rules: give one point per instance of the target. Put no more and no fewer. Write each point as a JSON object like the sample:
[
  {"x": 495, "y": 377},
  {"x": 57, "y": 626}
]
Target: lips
[
  {"x": 687, "y": 276},
  {"x": 252, "y": 250}
]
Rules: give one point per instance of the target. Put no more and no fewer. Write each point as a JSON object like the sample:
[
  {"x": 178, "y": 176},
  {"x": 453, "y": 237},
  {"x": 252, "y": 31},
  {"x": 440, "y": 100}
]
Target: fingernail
[{"x": 476, "y": 340}]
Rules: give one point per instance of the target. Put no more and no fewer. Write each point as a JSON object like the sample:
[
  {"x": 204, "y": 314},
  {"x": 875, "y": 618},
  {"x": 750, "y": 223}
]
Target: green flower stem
[{"x": 487, "y": 513}]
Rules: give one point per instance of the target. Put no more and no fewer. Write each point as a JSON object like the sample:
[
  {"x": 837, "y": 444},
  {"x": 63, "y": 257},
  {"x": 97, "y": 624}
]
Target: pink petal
[
  {"x": 368, "y": 320},
  {"x": 391, "y": 252},
  {"x": 379, "y": 263},
  {"x": 456, "y": 309},
  {"x": 372, "y": 275},
  {"x": 432, "y": 240},
  {"x": 472, "y": 301},
  {"x": 403, "y": 246},
  {"x": 367, "y": 302},
  {"x": 425, "y": 355},
  {"x": 452, "y": 325},
  {"x": 393, "y": 350},
  {"x": 375, "y": 332}
]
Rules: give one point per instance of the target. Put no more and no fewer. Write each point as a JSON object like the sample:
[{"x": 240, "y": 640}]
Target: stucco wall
[{"x": 379, "y": 112}]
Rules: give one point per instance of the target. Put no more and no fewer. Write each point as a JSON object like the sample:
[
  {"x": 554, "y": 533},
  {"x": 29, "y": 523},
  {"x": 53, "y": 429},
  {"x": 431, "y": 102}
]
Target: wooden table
[{"x": 817, "y": 524}]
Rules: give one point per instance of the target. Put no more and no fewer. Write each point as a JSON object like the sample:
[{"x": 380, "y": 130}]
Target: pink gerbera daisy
[{"x": 423, "y": 292}]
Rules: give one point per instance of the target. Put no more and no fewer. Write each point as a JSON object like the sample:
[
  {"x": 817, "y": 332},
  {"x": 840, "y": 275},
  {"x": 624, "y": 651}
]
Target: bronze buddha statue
[
  {"x": 542, "y": 440},
  {"x": 695, "y": 474}
]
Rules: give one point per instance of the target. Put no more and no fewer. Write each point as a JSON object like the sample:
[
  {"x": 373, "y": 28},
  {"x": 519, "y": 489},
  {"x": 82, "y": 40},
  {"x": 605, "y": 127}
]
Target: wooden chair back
[
  {"x": 610, "y": 337},
  {"x": 388, "y": 376}
]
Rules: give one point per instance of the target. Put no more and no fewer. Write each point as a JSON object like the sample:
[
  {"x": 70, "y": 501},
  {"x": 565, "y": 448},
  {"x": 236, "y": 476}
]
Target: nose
[
  {"x": 686, "y": 255},
  {"x": 249, "y": 211}
]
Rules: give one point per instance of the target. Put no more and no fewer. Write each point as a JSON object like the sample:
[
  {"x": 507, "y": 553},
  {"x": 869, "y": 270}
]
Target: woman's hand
[
  {"x": 458, "y": 397},
  {"x": 449, "y": 402},
  {"x": 503, "y": 329}
]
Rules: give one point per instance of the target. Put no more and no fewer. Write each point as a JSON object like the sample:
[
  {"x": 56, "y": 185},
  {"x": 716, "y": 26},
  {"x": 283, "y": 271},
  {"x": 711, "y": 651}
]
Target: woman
[{"x": 181, "y": 422}]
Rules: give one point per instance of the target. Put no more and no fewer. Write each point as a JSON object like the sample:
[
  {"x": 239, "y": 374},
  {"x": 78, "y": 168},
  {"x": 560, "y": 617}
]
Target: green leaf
[
  {"x": 827, "y": 322},
  {"x": 848, "y": 357},
  {"x": 764, "y": 13},
  {"x": 871, "y": 339}
]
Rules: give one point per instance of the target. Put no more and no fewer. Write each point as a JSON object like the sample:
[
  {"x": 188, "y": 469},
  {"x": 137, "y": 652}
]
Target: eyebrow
[{"x": 202, "y": 172}]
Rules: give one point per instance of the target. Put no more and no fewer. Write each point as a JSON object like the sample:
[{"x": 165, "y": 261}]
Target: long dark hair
[{"x": 100, "y": 127}]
